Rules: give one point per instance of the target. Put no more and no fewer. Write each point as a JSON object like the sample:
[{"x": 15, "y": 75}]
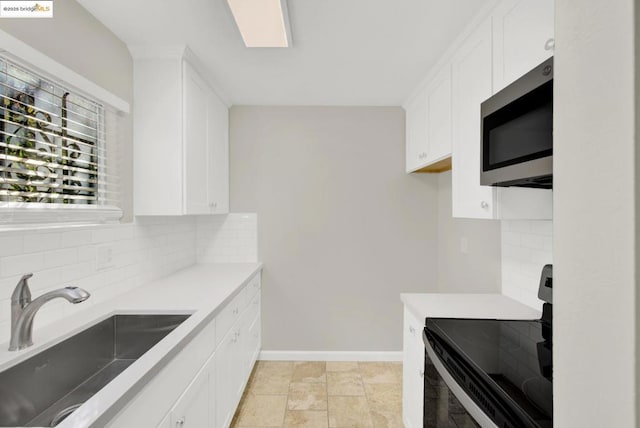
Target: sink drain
[{"x": 62, "y": 414}]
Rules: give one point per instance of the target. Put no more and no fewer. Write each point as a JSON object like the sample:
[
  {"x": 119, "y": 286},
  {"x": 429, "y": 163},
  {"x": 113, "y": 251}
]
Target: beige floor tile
[
  {"x": 349, "y": 412},
  {"x": 380, "y": 372},
  {"x": 263, "y": 411},
  {"x": 344, "y": 383},
  {"x": 307, "y": 396},
  {"x": 306, "y": 419},
  {"x": 342, "y": 366},
  {"x": 384, "y": 397},
  {"x": 281, "y": 367},
  {"x": 309, "y": 371},
  {"x": 386, "y": 419},
  {"x": 267, "y": 383}
]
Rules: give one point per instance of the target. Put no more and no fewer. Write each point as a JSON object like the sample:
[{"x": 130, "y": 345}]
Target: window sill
[{"x": 28, "y": 216}]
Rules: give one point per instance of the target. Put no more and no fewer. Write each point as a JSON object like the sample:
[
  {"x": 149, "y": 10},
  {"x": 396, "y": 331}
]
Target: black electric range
[{"x": 504, "y": 366}]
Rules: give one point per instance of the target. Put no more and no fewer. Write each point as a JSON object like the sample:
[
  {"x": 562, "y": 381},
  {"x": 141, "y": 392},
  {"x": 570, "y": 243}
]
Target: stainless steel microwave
[{"x": 517, "y": 132}]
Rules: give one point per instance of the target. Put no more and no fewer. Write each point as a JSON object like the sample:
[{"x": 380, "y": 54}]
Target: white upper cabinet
[
  {"x": 181, "y": 143},
  {"x": 439, "y": 116},
  {"x": 428, "y": 124},
  {"x": 218, "y": 137},
  {"x": 196, "y": 145},
  {"x": 471, "y": 67},
  {"x": 416, "y": 130},
  {"x": 522, "y": 38}
]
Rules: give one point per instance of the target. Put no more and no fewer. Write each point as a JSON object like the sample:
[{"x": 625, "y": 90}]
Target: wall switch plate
[{"x": 104, "y": 257}]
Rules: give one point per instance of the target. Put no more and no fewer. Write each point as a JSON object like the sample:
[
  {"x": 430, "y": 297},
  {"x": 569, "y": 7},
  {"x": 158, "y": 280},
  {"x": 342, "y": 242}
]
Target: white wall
[
  {"x": 342, "y": 229},
  {"x": 59, "y": 257},
  {"x": 595, "y": 223},
  {"x": 468, "y": 249},
  {"x": 526, "y": 247}
]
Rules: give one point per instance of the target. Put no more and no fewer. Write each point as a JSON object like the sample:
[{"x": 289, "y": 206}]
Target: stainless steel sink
[{"x": 46, "y": 388}]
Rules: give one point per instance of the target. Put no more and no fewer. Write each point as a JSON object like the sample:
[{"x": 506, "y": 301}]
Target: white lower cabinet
[
  {"x": 234, "y": 360},
  {"x": 202, "y": 385},
  {"x": 193, "y": 409},
  {"x": 227, "y": 379},
  {"x": 412, "y": 372}
]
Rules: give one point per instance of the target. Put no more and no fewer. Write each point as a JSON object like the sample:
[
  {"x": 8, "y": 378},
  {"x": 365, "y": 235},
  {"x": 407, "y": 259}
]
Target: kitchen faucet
[{"x": 23, "y": 309}]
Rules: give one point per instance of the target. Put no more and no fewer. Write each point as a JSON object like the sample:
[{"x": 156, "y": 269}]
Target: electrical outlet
[{"x": 104, "y": 257}]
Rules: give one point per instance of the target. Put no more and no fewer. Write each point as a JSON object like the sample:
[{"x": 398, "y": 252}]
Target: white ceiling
[{"x": 345, "y": 52}]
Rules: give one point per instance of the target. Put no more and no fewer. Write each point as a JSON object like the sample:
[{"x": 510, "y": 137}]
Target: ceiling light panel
[{"x": 262, "y": 23}]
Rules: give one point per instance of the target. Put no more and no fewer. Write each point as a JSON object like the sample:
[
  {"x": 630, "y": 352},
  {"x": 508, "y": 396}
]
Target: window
[{"x": 53, "y": 151}]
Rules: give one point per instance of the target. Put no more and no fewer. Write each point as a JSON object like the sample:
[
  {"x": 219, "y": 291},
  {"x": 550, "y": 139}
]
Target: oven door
[{"x": 445, "y": 402}]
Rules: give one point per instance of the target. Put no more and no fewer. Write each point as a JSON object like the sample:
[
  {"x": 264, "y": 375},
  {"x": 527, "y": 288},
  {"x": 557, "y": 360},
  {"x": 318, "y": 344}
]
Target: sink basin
[{"x": 46, "y": 388}]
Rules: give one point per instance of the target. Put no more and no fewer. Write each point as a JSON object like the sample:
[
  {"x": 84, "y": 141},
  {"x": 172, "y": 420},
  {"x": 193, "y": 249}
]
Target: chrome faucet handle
[{"x": 22, "y": 294}]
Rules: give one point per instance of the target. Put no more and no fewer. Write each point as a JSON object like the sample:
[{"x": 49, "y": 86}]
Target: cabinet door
[
  {"x": 522, "y": 38},
  {"x": 412, "y": 372},
  {"x": 439, "y": 116},
  {"x": 416, "y": 131},
  {"x": 471, "y": 81},
  {"x": 227, "y": 382},
  {"x": 218, "y": 152},
  {"x": 195, "y": 144},
  {"x": 192, "y": 408}
]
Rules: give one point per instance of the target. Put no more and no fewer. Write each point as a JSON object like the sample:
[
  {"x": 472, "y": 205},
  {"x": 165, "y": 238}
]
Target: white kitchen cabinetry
[
  {"x": 471, "y": 80},
  {"x": 193, "y": 409},
  {"x": 472, "y": 84},
  {"x": 227, "y": 378},
  {"x": 202, "y": 385},
  {"x": 236, "y": 355},
  {"x": 412, "y": 371},
  {"x": 428, "y": 125},
  {"x": 180, "y": 137},
  {"x": 522, "y": 38}
]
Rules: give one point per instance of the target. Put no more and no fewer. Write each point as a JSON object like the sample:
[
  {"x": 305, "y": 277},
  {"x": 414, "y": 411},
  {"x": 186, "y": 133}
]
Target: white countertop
[
  {"x": 200, "y": 290},
  {"x": 458, "y": 305}
]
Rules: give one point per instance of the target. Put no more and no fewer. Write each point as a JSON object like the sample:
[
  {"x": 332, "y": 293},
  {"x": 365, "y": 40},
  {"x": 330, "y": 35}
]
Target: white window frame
[{"x": 20, "y": 215}]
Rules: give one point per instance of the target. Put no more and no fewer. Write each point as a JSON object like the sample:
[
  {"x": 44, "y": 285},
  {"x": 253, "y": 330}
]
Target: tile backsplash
[
  {"x": 526, "y": 247},
  {"x": 231, "y": 238},
  {"x": 105, "y": 260}
]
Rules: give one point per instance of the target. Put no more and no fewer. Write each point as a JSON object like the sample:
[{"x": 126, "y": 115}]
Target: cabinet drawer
[
  {"x": 254, "y": 307},
  {"x": 253, "y": 287},
  {"x": 228, "y": 316}
]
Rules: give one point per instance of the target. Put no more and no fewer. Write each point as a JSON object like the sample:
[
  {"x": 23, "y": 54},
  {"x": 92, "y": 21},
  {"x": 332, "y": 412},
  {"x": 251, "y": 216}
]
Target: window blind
[{"x": 53, "y": 143}]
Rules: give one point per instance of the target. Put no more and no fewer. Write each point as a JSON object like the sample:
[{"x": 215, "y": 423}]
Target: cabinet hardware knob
[
  {"x": 484, "y": 205},
  {"x": 180, "y": 422},
  {"x": 421, "y": 372},
  {"x": 550, "y": 44},
  {"x": 411, "y": 329}
]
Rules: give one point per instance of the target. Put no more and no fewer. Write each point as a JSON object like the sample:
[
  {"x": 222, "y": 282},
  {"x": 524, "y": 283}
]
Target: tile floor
[{"x": 318, "y": 394}]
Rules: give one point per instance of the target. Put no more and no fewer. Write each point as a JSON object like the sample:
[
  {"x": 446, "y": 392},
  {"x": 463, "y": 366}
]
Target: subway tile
[
  {"x": 75, "y": 238},
  {"x": 11, "y": 244},
  {"x": 542, "y": 227},
  {"x": 532, "y": 241},
  {"x": 36, "y": 242},
  {"x": 60, "y": 257},
  {"x": 21, "y": 264}
]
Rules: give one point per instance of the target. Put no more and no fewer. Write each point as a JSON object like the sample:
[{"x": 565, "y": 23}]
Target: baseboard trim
[{"x": 330, "y": 356}]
